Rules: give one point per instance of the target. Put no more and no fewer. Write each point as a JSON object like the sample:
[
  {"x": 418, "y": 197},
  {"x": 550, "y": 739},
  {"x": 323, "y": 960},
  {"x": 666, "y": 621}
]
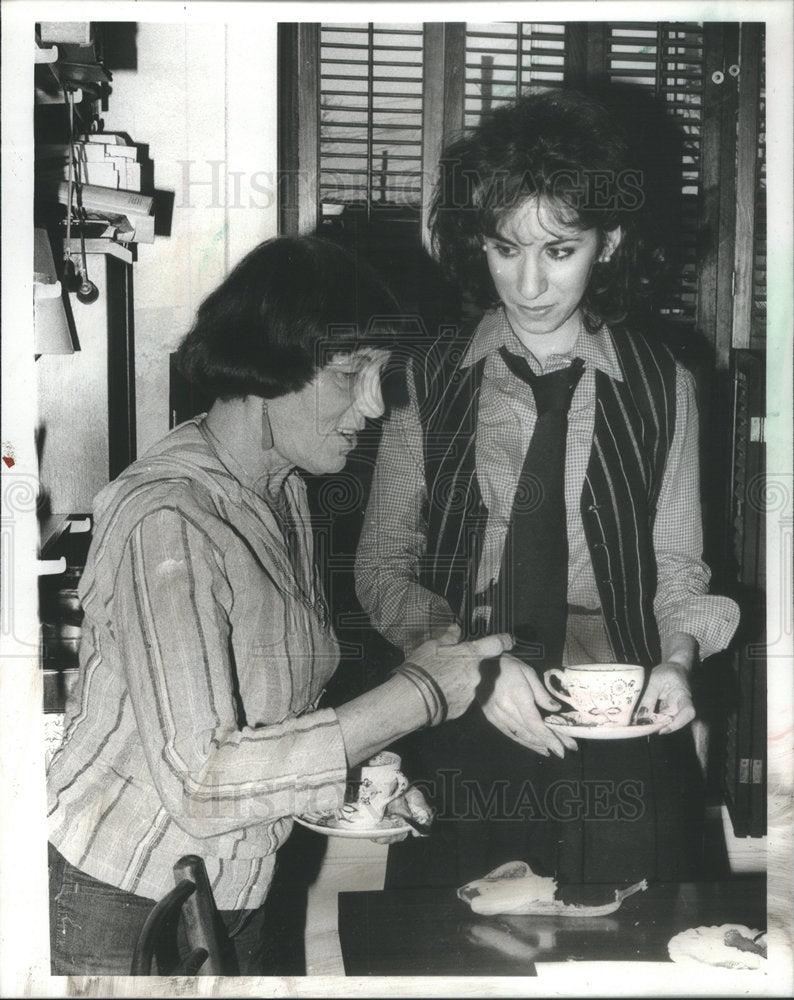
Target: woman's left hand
[
  {"x": 669, "y": 693},
  {"x": 410, "y": 805}
]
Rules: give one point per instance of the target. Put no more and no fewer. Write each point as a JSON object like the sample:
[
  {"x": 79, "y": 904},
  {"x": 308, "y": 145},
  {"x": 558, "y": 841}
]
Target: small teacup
[
  {"x": 381, "y": 781},
  {"x": 602, "y": 693}
]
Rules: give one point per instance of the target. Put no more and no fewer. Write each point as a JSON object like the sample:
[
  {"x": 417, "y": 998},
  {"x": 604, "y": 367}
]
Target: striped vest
[{"x": 634, "y": 425}]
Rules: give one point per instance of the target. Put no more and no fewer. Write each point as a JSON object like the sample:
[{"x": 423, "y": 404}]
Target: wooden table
[{"x": 427, "y": 932}]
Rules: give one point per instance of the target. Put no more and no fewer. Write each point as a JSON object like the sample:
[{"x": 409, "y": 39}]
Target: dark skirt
[{"x": 614, "y": 811}]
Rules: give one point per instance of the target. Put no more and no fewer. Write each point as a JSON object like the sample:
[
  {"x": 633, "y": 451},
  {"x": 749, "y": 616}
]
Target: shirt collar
[{"x": 494, "y": 331}]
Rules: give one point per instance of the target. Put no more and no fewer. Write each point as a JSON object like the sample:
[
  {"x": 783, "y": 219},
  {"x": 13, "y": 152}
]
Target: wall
[{"x": 203, "y": 96}]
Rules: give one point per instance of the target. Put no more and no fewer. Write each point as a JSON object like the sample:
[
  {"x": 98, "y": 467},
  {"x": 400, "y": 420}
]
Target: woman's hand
[
  {"x": 513, "y": 709},
  {"x": 399, "y": 706},
  {"x": 412, "y": 806},
  {"x": 668, "y": 690},
  {"x": 669, "y": 693},
  {"x": 455, "y": 665}
]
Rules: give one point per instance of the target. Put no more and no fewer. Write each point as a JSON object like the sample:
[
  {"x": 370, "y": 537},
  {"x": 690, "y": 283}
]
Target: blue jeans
[{"x": 94, "y": 927}]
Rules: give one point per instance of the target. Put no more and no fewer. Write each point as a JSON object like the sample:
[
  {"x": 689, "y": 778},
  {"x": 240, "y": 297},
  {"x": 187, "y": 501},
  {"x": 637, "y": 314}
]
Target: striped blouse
[
  {"x": 191, "y": 726},
  {"x": 392, "y": 542}
]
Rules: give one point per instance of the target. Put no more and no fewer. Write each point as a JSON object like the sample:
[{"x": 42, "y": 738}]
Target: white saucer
[
  {"x": 706, "y": 946},
  {"x": 332, "y": 825},
  {"x": 575, "y": 724}
]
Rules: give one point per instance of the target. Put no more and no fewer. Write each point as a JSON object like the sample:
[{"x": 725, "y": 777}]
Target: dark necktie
[{"x": 531, "y": 597}]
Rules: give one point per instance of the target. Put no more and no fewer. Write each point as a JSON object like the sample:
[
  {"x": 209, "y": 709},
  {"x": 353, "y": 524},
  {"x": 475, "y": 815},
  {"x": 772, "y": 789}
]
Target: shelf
[{"x": 105, "y": 245}]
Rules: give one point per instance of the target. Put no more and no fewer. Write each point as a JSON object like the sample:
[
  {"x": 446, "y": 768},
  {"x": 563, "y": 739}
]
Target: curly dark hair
[
  {"x": 570, "y": 151},
  {"x": 280, "y": 315}
]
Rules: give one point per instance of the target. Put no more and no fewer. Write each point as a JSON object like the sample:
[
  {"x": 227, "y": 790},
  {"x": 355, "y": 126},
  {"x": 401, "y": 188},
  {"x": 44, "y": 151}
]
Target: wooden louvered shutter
[
  {"x": 371, "y": 91},
  {"x": 376, "y": 97},
  {"x": 504, "y": 59},
  {"x": 667, "y": 60}
]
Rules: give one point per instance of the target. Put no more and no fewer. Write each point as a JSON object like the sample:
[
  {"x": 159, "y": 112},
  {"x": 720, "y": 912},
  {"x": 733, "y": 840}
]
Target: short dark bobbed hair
[
  {"x": 280, "y": 315},
  {"x": 571, "y": 152}
]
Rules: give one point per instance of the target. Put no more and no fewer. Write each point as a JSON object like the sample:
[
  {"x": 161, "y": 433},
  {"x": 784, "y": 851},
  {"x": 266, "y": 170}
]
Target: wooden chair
[{"x": 190, "y": 900}]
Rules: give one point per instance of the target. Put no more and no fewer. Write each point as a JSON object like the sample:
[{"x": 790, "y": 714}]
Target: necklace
[{"x": 279, "y": 506}]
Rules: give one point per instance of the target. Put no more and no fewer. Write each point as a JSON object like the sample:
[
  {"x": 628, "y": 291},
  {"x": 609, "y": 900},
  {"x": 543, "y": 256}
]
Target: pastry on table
[{"x": 514, "y": 888}]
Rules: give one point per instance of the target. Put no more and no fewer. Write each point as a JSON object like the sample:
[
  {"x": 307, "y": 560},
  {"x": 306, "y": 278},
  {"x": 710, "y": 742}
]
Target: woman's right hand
[
  {"x": 455, "y": 665},
  {"x": 513, "y": 707},
  {"x": 383, "y": 714}
]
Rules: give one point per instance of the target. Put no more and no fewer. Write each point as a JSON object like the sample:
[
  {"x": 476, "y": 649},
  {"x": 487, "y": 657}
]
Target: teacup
[
  {"x": 381, "y": 781},
  {"x": 602, "y": 693}
]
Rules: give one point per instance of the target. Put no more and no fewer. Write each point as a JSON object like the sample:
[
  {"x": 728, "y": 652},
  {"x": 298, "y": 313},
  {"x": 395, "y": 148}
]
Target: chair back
[{"x": 190, "y": 900}]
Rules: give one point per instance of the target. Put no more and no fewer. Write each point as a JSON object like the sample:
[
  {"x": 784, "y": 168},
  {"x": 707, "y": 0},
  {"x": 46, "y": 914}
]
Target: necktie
[{"x": 530, "y": 598}]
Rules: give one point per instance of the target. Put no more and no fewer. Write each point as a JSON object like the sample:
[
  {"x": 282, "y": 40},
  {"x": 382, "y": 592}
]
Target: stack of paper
[
  {"x": 107, "y": 160},
  {"x": 103, "y": 159}
]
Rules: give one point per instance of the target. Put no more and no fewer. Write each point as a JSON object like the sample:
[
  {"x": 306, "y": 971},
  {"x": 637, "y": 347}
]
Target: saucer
[
  {"x": 332, "y": 825},
  {"x": 706, "y": 946},
  {"x": 579, "y": 726}
]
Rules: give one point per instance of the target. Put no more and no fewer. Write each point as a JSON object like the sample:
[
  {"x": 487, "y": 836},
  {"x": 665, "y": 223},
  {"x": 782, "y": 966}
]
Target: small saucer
[
  {"x": 333, "y": 825},
  {"x": 575, "y": 724},
  {"x": 706, "y": 946}
]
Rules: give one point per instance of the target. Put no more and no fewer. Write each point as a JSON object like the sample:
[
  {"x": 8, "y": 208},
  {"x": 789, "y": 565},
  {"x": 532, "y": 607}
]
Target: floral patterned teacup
[
  {"x": 604, "y": 694},
  {"x": 380, "y": 782}
]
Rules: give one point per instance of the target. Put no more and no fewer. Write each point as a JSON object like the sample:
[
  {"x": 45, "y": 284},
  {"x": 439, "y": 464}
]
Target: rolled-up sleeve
[
  {"x": 393, "y": 540},
  {"x": 213, "y": 771},
  {"x": 682, "y": 602}
]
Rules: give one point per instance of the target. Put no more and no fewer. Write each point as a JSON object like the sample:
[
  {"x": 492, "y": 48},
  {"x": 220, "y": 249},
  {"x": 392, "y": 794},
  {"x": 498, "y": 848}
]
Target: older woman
[
  {"x": 193, "y": 726},
  {"x": 545, "y": 477}
]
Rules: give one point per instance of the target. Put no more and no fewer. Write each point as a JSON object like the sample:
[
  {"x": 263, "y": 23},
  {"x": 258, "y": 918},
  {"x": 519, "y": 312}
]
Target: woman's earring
[{"x": 267, "y": 430}]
